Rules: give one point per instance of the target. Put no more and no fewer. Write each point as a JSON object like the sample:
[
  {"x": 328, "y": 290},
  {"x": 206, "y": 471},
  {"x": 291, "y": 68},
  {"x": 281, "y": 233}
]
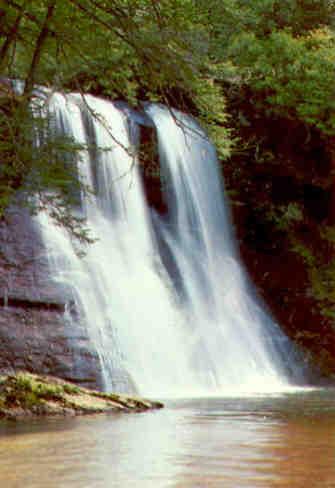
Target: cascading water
[
  {"x": 235, "y": 342},
  {"x": 191, "y": 328}
]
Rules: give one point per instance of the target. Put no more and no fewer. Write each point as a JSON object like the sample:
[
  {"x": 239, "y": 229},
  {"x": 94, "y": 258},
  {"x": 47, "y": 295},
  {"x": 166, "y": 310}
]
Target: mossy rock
[{"x": 24, "y": 394}]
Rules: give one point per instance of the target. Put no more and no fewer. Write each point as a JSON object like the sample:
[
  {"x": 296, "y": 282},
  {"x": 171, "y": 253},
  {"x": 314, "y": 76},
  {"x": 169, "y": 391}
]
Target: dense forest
[{"x": 260, "y": 78}]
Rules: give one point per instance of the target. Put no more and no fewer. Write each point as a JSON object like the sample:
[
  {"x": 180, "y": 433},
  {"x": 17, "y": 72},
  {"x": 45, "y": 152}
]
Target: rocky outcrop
[
  {"x": 40, "y": 328},
  {"x": 34, "y": 312},
  {"x": 27, "y": 395}
]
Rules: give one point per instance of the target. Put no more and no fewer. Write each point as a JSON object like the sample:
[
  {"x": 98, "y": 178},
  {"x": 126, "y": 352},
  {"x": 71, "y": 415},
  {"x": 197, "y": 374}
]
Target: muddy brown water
[{"x": 272, "y": 441}]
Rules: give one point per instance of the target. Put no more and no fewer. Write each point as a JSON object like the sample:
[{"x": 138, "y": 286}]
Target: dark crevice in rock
[
  {"x": 28, "y": 304},
  {"x": 150, "y": 169}
]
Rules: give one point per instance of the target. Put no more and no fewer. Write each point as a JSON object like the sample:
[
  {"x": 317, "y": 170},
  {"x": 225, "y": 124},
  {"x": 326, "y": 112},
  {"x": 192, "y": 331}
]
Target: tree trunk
[{"x": 30, "y": 80}]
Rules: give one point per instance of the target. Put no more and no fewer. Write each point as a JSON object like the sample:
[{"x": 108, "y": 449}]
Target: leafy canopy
[
  {"x": 284, "y": 51},
  {"x": 185, "y": 53},
  {"x": 118, "y": 49}
]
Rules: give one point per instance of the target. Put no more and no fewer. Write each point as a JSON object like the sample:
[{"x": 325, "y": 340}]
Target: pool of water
[{"x": 280, "y": 440}]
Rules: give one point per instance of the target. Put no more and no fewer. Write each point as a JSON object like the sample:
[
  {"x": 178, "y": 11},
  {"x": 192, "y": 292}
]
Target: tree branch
[{"x": 38, "y": 49}]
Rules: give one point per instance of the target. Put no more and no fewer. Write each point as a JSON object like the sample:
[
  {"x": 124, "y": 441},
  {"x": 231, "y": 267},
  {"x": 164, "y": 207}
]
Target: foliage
[
  {"x": 44, "y": 172},
  {"x": 27, "y": 383},
  {"x": 328, "y": 233},
  {"x": 294, "y": 74},
  {"x": 24, "y": 390},
  {"x": 284, "y": 216},
  {"x": 120, "y": 49},
  {"x": 323, "y": 286},
  {"x": 185, "y": 53},
  {"x": 281, "y": 55},
  {"x": 304, "y": 252},
  {"x": 284, "y": 51},
  {"x": 24, "y": 393},
  {"x": 321, "y": 274}
]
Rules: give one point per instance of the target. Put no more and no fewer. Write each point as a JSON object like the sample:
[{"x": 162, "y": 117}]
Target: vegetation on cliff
[{"x": 25, "y": 394}]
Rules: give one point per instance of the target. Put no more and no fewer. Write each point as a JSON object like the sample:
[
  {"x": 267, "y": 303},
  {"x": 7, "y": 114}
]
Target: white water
[{"x": 165, "y": 301}]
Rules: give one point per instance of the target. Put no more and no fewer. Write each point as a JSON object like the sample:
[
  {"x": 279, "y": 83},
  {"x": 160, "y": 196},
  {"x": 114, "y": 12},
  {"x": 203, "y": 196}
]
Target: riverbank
[{"x": 25, "y": 395}]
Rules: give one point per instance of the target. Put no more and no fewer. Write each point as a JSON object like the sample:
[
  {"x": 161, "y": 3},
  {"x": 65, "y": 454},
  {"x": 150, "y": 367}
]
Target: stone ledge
[{"x": 25, "y": 395}]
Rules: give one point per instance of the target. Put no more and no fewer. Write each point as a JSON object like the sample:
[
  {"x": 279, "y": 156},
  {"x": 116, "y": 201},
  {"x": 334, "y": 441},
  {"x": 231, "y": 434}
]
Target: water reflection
[
  {"x": 304, "y": 454},
  {"x": 286, "y": 441}
]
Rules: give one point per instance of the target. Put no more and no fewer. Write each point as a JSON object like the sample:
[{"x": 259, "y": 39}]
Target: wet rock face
[{"x": 35, "y": 333}]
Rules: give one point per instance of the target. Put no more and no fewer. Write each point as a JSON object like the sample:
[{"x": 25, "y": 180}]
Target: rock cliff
[{"x": 34, "y": 331}]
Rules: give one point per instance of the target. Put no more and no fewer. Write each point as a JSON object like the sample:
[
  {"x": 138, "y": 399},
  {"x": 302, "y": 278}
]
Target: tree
[{"x": 118, "y": 49}]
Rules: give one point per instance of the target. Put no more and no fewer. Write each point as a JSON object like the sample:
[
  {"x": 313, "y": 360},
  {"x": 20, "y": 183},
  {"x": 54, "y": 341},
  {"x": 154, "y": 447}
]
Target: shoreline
[{"x": 26, "y": 395}]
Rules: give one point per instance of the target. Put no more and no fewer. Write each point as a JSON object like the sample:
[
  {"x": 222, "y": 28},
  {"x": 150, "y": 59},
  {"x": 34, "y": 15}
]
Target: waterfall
[{"x": 164, "y": 299}]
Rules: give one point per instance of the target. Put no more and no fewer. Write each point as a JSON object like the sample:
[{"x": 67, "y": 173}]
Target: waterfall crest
[{"x": 193, "y": 328}]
